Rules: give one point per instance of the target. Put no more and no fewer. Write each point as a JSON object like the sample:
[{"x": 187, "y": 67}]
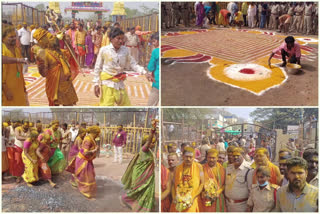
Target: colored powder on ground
[{"x": 247, "y": 71}]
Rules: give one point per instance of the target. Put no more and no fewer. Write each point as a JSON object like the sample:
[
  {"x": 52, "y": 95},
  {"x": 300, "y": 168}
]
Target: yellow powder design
[
  {"x": 178, "y": 53},
  {"x": 277, "y": 77},
  {"x": 188, "y": 32}
]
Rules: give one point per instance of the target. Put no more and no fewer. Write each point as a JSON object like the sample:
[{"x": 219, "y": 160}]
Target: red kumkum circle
[{"x": 247, "y": 71}]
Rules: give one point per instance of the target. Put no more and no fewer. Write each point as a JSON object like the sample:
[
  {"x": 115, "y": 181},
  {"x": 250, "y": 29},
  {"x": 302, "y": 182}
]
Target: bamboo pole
[
  {"x": 146, "y": 119},
  {"x": 157, "y": 30},
  {"x": 134, "y": 133}
]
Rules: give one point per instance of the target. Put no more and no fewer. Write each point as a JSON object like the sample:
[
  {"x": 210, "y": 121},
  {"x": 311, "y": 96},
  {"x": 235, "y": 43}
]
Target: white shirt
[
  {"x": 12, "y": 137},
  {"x": 33, "y": 39},
  {"x": 74, "y": 134},
  {"x": 221, "y": 147},
  {"x": 114, "y": 62},
  {"x": 252, "y": 10},
  {"x": 24, "y": 36}
]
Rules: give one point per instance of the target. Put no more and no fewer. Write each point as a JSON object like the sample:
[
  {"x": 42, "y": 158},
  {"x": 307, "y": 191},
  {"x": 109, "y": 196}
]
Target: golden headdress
[{"x": 39, "y": 34}]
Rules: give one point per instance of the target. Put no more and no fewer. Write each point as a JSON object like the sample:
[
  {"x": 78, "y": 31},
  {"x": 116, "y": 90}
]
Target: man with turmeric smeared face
[
  {"x": 187, "y": 184},
  {"x": 298, "y": 195}
]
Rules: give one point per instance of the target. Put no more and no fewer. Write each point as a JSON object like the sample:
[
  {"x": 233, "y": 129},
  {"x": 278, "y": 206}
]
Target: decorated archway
[{"x": 96, "y": 7}]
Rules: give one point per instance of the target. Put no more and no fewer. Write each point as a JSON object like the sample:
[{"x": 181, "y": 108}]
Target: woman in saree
[
  {"x": 200, "y": 14},
  {"x": 57, "y": 162},
  {"x": 84, "y": 169},
  {"x": 30, "y": 159},
  {"x": 89, "y": 49},
  {"x": 139, "y": 178},
  {"x": 44, "y": 152},
  {"x": 5, "y": 162},
  {"x": 75, "y": 148},
  {"x": 57, "y": 66}
]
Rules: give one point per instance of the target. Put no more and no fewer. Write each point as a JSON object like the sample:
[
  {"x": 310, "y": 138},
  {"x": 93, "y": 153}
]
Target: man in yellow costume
[
  {"x": 56, "y": 65},
  {"x": 212, "y": 197},
  {"x": 14, "y": 92},
  {"x": 261, "y": 158},
  {"x": 188, "y": 184}
]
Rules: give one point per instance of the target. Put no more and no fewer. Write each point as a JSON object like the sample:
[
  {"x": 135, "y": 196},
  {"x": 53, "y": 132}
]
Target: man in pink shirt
[
  {"x": 288, "y": 48},
  {"x": 119, "y": 142}
]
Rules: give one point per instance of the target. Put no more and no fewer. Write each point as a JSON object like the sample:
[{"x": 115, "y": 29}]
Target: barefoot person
[
  {"x": 284, "y": 21},
  {"x": 44, "y": 152},
  {"x": 14, "y": 91},
  {"x": 30, "y": 159},
  {"x": 75, "y": 148},
  {"x": 56, "y": 65},
  {"x": 139, "y": 178},
  {"x": 289, "y": 48},
  {"x": 84, "y": 168},
  {"x": 21, "y": 133},
  {"x": 57, "y": 162},
  {"x": 109, "y": 71}
]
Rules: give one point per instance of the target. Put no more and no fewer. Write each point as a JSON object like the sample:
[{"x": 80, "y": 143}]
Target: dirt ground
[
  {"x": 65, "y": 198},
  {"x": 187, "y": 84}
]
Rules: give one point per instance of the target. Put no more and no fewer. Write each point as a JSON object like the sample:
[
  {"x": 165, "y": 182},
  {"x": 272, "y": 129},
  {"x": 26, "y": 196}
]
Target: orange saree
[{"x": 217, "y": 175}]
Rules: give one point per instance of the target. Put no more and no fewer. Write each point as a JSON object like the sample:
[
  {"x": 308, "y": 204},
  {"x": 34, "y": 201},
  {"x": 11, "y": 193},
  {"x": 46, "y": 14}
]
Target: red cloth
[
  {"x": 10, "y": 152},
  {"x": 18, "y": 168}
]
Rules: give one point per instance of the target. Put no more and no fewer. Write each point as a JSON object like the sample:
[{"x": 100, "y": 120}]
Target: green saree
[{"x": 139, "y": 180}]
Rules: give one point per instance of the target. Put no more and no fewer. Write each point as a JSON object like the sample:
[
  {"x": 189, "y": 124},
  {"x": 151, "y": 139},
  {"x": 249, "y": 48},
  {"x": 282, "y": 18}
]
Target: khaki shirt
[
  {"x": 287, "y": 201},
  {"x": 262, "y": 200},
  {"x": 290, "y": 11},
  {"x": 299, "y": 10},
  {"x": 132, "y": 39},
  {"x": 308, "y": 10},
  {"x": 275, "y": 10},
  {"x": 236, "y": 186}
]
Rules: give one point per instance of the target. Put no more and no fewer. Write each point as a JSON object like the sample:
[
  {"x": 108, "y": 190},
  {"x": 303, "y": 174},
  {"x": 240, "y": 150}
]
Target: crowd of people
[
  {"x": 285, "y": 17},
  {"x": 61, "y": 52},
  {"x": 238, "y": 175},
  {"x": 31, "y": 153}
]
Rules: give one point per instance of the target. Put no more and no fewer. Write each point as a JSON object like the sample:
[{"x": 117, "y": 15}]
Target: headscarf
[
  {"x": 93, "y": 129},
  {"x": 138, "y": 27},
  {"x": 8, "y": 30}
]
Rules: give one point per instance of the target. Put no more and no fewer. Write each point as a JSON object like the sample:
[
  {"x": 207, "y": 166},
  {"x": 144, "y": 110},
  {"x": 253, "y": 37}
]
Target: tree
[
  {"x": 146, "y": 10},
  {"x": 132, "y": 13},
  {"x": 280, "y": 118},
  {"x": 40, "y": 7}
]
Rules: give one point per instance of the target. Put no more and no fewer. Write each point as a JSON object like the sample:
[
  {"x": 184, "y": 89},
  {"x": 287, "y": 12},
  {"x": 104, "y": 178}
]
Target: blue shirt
[
  {"x": 207, "y": 9},
  {"x": 154, "y": 67}
]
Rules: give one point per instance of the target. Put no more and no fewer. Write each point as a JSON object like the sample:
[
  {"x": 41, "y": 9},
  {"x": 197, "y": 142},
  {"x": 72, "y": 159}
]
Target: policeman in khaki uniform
[
  {"x": 263, "y": 194},
  {"x": 238, "y": 182}
]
